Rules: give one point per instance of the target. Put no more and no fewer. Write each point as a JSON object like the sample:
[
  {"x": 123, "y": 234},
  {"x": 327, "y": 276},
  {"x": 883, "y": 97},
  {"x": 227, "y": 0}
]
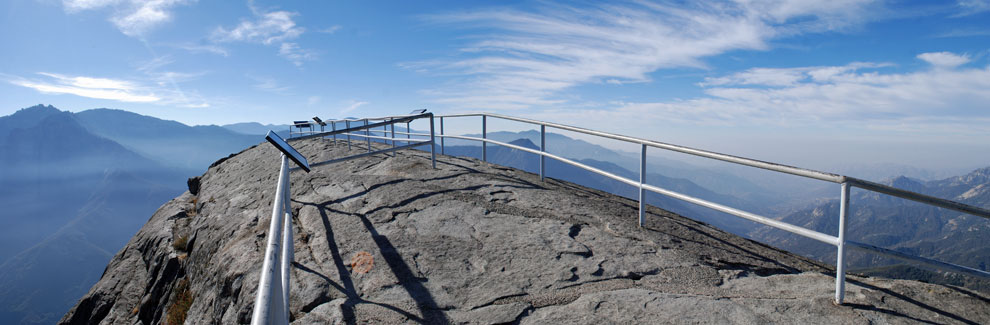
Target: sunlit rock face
[{"x": 389, "y": 239}]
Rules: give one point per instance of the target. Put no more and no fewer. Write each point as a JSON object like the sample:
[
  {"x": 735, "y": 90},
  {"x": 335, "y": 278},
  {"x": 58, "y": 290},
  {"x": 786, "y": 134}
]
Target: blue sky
[{"x": 811, "y": 83}]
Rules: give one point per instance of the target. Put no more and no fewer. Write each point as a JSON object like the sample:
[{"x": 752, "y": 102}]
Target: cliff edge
[{"x": 470, "y": 242}]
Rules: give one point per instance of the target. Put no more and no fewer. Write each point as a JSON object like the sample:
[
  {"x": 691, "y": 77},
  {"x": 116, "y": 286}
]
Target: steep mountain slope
[
  {"x": 39, "y": 284},
  {"x": 903, "y": 225},
  {"x": 71, "y": 199},
  {"x": 54, "y": 158},
  {"x": 470, "y": 242},
  {"x": 190, "y": 148}
]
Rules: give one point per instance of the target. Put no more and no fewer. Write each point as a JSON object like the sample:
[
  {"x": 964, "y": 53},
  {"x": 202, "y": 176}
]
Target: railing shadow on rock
[{"x": 271, "y": 305}]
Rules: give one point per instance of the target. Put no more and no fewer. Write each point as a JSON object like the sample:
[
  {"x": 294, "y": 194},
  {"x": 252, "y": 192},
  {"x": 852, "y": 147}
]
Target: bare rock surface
[{"x": 472, "y": 243}]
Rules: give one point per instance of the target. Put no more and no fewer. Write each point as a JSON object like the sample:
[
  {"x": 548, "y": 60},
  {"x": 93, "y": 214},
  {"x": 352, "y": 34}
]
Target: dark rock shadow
[{"x": 905, "y": 299}]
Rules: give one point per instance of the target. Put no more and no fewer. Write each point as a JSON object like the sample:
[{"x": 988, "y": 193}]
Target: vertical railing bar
[
  {"x": 642, "y": 193},
  {"x": 441, "y": 138},
  {"x": 347, "y": 124},
  {"x": 840, "y": 264},
  {"x": 333, "y": 127},
  {"x": 543, "y": 149},
  {"x": 433, "y": 144},
  {"x": 408, "y": 131},
  {"x": 484, "y": 135},
  {"x": 367, "y": 132},
  {"x": 392, "y": 126}
]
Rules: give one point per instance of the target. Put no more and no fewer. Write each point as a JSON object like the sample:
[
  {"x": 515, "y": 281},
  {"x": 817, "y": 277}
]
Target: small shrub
[
  {"x": 194, "y": 210},
  {"x": 181, "y": 243},
  {"x": 182, "y": 299}
]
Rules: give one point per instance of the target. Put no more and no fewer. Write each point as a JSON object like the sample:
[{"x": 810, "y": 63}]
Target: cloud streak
[
  {"x": 534, "y": 56},
  {"x": 946, "y": 96},
  {"x": 134, "y": 18},
  {"x": 100, "y": 88},
  {"x": 276, "y": 28},
  {"x": 162, "y": 92}
]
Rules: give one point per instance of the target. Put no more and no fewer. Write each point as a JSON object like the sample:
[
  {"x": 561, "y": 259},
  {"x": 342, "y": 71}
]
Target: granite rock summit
[{"x": 470, "y": 242}]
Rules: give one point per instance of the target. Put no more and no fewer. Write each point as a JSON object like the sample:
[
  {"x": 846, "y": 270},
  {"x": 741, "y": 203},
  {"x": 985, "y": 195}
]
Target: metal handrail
[
  {"x": 271, "y": 304},
  {"x": 845, "y": 181}
]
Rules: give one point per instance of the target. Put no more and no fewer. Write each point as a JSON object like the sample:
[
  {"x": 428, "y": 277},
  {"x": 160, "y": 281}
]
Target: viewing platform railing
[
  {"x": 845, "y": 183},
  {"x": 388, "y": 128}
]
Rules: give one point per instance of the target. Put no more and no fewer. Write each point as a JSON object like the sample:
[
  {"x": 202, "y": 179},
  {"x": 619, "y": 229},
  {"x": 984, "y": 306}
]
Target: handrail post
[
  {"x": 840, "y": 265},
  {"x": 333, "y": 126},
  {"x": 347, "y": 124},
  {"x": 367, "y": 134},
  {"x": 433, "y": 144},
  {"x": 392, "y": 126},
  {"x": 484, "y": 135},
  {"x": 263, "y": 306},
  {"x": 441, "y": 133},
  {"x": 543, "y": 149},
  {"x": 642, "y": 179},
  {"x": 408, "y": 131}
]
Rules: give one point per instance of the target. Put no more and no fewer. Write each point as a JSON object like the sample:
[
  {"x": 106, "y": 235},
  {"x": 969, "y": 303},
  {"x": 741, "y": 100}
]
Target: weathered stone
[{"x": 474, "y": 243}]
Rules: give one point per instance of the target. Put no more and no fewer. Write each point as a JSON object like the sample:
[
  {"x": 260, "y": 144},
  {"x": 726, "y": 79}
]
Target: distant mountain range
[
  {"x": 76, "y": 186},
  {"x": 902, "y": 225}
]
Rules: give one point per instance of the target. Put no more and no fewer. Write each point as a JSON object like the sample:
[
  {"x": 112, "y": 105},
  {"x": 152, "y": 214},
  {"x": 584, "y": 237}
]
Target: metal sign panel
[
  {"x": 288, "y": 150},
  {"x": 417, "y": 111}
]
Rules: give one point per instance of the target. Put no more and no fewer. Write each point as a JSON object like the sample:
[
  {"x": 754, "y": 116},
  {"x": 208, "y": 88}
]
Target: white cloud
[
  {"x": 330, "y": 30},
  {"x": 352, "y": 105},
  {"x": 272, "y": 28},
  {"x": 294, "y": 54},
  {"x": 858, "y": 94},
  {"x": 972, "y": 7},
  {"x": 537, "y": 55},
  {"x": 133, "y": 17},
  {"x": 268, "y": 28},
  {"x": 944, "y": 59},
  {"x": 100, "y": 88},
  {"x": 161, "y": 89},
  {"x": 269, "y": 85},
  {"x": 204, "y": 48}
]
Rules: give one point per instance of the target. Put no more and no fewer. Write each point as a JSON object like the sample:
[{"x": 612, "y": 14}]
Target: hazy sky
[{"x": 812, "y": 83}]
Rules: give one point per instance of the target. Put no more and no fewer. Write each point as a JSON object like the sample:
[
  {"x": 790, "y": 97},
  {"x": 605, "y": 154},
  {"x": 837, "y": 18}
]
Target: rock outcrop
[{"x": 471, "y": 242}]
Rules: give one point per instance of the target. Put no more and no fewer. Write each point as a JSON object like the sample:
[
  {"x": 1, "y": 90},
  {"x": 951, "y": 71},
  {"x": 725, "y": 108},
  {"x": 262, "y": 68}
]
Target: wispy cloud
[
  {"x": 159, "y": 88},
  {"x": 269, "y": 28},
  {"x": 351, "y": 106},
  {"x": 533, "y": 56},
  {"x": 266, "y": 28},
  {"x": 944, "y": 59},
  {"x": 100, "y": 88},
  {"x": 294, "y": 54},
  {"x": 132, "y": 17},
  {"x": 948, "y": 97},
  {"x": 204, "y": 48},
  {"x": 269, "y": 85},
  {"x": 330, "y": 30},
  {"x": 972, "y": 7}
]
